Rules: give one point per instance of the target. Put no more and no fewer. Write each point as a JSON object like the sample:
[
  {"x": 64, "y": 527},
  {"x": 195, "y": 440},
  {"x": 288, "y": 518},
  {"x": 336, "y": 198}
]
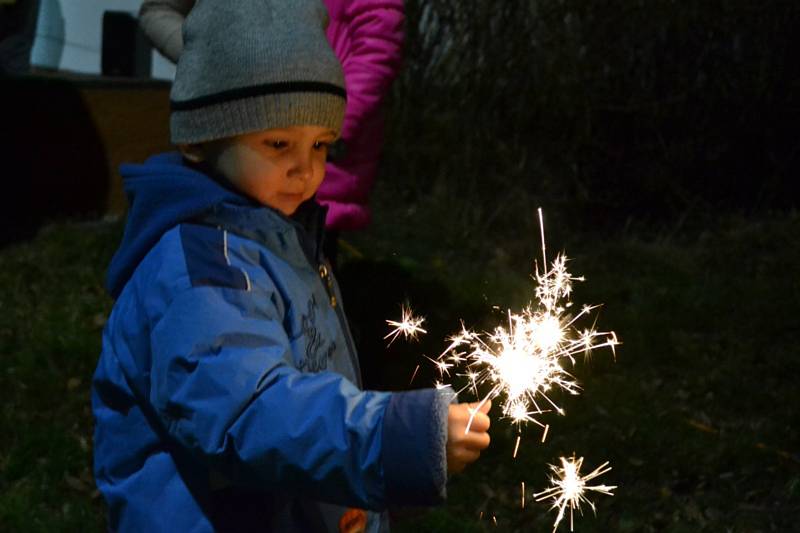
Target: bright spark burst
[
  {"x": 524, "y": 361},
  {"x": 568, "y": 488},
  {"x": 408, "y": 326}
]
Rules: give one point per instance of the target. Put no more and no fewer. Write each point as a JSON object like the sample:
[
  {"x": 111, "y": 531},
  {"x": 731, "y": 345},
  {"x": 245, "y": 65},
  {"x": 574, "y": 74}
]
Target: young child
[
  {"x": 367, "y": 38},
  {"x": 227, "y": 394}
]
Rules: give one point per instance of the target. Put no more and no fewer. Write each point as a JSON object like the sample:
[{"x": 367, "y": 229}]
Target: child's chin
[
  {"x": 287, "y": 209},
  {"x": 288, "y": 203}
]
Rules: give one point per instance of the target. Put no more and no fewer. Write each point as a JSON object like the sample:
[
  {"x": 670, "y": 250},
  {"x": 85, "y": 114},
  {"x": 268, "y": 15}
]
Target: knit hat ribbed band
[{"x": 251, "y": 65}]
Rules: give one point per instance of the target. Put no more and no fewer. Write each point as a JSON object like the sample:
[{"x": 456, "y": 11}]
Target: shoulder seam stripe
[
  {"x": 225, "y": 246},
  {"x": 246, "y": 279}
]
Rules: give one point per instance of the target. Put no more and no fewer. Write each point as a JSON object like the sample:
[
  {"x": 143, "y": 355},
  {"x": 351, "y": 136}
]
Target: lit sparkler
[
  {"x": 408, "y": 326},
  {"x": 568, "y": 488},
  {"x": 524, "y": 361}
]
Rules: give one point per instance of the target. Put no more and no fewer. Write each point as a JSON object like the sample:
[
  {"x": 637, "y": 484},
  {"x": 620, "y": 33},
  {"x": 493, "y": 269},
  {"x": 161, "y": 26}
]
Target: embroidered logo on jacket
[{"x": 316, "y": 356}]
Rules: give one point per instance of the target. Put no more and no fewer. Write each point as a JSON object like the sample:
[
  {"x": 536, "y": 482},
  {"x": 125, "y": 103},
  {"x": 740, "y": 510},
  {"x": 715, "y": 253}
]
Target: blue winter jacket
[{"x": 227, "y": 395}]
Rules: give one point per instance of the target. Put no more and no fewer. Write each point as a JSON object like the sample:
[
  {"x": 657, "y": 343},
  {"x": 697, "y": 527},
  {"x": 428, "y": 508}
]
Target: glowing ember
[
  {"x": 408, "y": 326},
  {"x": 523, "y": 495},
  {"x": 568, "y": 488}
]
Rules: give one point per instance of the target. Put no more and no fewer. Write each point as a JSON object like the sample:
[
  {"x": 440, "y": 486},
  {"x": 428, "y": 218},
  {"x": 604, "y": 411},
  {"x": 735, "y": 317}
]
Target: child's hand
[{"x": 464, "y": 447}]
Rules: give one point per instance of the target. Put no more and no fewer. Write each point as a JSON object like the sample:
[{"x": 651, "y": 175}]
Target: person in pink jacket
[{"x": 367, "y": 38}]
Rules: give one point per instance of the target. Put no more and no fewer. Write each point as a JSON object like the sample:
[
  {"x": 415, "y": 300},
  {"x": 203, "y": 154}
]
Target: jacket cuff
[{"x": 414, "y": 446}]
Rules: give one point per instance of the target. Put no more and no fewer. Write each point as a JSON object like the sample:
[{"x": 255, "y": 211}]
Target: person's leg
[{"x": 17, "y": 32}]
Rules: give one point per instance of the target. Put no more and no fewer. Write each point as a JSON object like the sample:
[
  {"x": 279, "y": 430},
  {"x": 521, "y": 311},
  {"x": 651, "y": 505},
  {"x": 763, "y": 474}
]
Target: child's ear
[{"x": 193, "y": 152}]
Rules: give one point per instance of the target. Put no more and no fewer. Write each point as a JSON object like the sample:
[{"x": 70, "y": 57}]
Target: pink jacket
[{"x": 367, "y": 37}]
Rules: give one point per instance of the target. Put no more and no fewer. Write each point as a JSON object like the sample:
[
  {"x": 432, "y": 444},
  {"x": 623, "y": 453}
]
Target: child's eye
[
  {"x": 321, "y": 145},
  {"x": 278, "y": 145}
]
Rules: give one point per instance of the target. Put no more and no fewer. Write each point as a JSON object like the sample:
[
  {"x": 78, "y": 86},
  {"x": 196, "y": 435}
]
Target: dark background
[
  {"x": 659, "y": 137},
  {"x": 611, "y": 112}
]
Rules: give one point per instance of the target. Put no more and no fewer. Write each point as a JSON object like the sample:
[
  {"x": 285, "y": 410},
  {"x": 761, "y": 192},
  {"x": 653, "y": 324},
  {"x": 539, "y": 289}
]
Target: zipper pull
[{"x": 328, "y": 282}]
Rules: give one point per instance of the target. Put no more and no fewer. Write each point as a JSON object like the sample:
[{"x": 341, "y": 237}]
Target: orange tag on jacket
[{"x": 353, "y": 521}]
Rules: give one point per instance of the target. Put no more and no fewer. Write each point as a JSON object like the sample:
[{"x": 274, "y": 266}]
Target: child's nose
[{"x": 301, "y": 166}]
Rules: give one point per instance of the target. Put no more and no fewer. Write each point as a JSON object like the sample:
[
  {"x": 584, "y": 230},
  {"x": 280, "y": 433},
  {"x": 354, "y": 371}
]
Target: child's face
[{"x": 280, "y": 168}]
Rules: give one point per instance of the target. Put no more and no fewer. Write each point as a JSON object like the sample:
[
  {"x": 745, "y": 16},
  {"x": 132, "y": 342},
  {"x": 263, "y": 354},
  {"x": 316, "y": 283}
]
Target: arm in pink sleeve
[
  {"x": 162, "y": 21},
  {"x": 374, "y": 56}
]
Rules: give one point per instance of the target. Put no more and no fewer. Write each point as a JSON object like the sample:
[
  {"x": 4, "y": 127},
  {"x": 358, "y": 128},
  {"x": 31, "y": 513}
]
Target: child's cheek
[
  {"x": 319, "y": 173},
  {"x": 232, "y": 162},
  {"x": 261, "y": 172},
  {"x": 252, "y": 162}
]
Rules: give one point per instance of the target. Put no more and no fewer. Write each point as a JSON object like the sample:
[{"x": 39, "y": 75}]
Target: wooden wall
[
  {"x": 133, "y": 123},
  {"x": 62, "y": 140}
]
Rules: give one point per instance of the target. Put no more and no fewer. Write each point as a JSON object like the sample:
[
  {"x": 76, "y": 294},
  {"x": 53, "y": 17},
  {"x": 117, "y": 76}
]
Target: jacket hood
[{"x": 162, "y": 192}]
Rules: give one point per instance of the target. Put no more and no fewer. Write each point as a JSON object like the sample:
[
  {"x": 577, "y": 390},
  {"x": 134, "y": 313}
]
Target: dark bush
[{"x": 609, "y": 112}]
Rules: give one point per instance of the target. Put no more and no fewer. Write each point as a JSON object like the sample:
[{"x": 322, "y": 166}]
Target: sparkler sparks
[
  {"x": 568, "y": 488},
  {"x": 525, "y": 360},
  {"x": 408, "y": 326}
]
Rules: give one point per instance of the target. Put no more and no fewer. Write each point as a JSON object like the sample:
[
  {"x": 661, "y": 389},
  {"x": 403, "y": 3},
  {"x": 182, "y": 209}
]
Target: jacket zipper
[
  {"x": 327, "y": 281},
  {"x": 325, "y": 274}
]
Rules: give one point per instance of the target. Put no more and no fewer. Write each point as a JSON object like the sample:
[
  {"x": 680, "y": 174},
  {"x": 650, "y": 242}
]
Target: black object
[
  {"x": 17, "y": 32},
  {"x": 54, "y": 163},
  {"x": 125, "y": 51}
]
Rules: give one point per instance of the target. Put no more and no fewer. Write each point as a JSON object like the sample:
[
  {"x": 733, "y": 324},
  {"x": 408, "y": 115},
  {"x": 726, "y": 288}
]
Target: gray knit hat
[{"x": 250, "y": 65}]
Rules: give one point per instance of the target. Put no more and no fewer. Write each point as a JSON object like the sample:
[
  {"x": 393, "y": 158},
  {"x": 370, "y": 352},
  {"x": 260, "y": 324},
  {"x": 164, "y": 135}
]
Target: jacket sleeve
[
  {"x": 225, "y": 390},
  {"x": 162, "y": 23},
  {"x": 374, "y": 56}
]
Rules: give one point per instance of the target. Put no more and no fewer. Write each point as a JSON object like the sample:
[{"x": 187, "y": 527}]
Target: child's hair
[{"x": 275, "y": 70}]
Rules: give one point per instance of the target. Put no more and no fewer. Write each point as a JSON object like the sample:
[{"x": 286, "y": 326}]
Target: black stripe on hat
[{"x": 258, "y": 90}]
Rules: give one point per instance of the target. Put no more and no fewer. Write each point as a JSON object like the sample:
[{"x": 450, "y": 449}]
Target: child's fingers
[
  {"x": 486, "y": 406},
  {"x": 480, "y": 422},
  {"x": 482, "y": 407},
  {"x": 464, "y": 455},
  {"x": 476, "y": 441}
]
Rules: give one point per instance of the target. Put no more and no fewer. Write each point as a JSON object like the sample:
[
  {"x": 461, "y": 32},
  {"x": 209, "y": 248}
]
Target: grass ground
[{"x": 697, "y": 414}]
